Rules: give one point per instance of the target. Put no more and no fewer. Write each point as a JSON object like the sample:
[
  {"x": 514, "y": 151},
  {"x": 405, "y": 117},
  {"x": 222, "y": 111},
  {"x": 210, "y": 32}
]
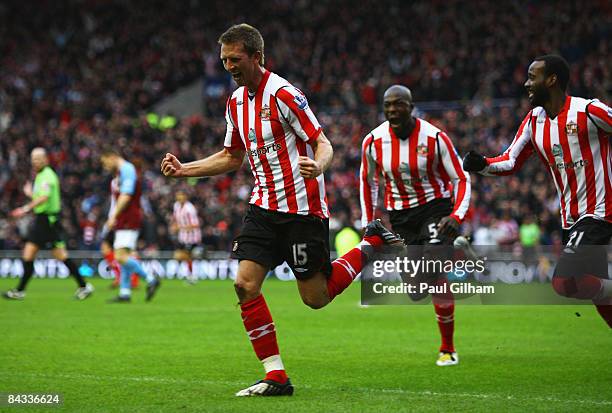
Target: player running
[
  {"x": 46, "y": 230},
  {"x": 270, "y": 121},
  {"x": 126, "y": 220},
  {"x": 571, "y": 135},
  {"x": 108, "y": 239},
  {"x": 186, "y": 226},
  {"x": 419, "y": 164}
]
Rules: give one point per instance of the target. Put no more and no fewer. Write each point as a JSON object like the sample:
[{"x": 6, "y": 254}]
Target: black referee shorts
[
  {"x": 271, "y": 238},
  {"x": 46, "y": 232}
]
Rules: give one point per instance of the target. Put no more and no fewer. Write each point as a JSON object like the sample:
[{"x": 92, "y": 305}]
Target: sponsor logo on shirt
[
  {"x": 557, "y": 151},
  {"x": 264, "y": 150},
  {"x": 422, "y": 150},
  {"x": 408, "y": 179},
  {"x": 581, "y": 163},
  {"x": 252, "y": 136}
]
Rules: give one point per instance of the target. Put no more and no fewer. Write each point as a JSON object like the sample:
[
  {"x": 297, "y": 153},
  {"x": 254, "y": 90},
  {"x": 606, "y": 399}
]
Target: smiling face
[
  {"x": 243, "y": 68},
  {"x": 538, "y": 83}
]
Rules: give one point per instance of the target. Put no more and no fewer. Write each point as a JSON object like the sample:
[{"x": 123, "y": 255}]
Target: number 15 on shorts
[{"x": 300, "y": 257}]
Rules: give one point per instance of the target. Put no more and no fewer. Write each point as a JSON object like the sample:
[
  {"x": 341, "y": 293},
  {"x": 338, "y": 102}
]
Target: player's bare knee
[
  {"x": 246, "y": 290},
  {"x": 315, "y": 303}
]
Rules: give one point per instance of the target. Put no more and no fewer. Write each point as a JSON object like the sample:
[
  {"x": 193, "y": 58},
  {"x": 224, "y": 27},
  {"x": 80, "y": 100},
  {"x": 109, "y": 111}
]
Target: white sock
[
  {"x": 125, "y": 292},
  {"x": 273, "y": 363},
  {"x": 363, "y": 243}
]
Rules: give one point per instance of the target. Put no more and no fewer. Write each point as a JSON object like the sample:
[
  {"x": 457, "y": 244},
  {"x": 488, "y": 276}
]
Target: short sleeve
[{"x": 294, "y": 107}]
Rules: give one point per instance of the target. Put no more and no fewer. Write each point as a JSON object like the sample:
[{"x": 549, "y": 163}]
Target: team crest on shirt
[
  {"x": 301, "y": 102},
  {"x": 252, "y": 136},
  {"x": 571, "y": 128},
  {"x": 557, "y": 151},
  {"x": 264, "y": 113},
  {"x": 422, "y": 150}
]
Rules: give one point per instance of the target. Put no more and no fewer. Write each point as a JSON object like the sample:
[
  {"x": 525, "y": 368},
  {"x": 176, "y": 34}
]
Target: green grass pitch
[{"x": 187, "y": 351}]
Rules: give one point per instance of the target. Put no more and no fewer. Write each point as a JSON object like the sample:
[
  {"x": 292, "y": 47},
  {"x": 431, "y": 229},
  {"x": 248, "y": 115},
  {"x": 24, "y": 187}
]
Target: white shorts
[{"x": 125, "y": 238}]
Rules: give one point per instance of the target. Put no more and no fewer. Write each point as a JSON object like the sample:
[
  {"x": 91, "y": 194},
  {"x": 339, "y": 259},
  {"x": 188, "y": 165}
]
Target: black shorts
[
  {"x": 46, "y": 232},
  {"x": 419, "y": 228},
  {"x": 586, "y": 249},
  {"x": 419, "y": 225},
  {"x": 271, "y": 238},
  {"x": 109, "y": 238}
]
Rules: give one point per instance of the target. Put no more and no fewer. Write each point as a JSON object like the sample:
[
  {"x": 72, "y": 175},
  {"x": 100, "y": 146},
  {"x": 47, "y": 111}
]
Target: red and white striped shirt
[
  {"x": 576, "y": 148},
  {"x": 416, "y": 170},
  {"x": 275, "y": 127},
  {"x": 185, "y": 215}
]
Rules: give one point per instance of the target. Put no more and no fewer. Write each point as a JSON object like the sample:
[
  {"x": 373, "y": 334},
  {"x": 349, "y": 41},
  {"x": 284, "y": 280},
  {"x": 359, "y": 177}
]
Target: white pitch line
[{"x": 423, "y": 393}]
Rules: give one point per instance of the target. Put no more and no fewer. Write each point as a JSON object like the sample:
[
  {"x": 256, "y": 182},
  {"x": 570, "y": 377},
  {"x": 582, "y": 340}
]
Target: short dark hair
[
  {"x": 556, "y": 65},
  {"x": 246, "y": 34}
]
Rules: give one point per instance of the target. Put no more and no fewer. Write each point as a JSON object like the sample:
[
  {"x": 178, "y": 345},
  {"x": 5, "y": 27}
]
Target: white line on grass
[{"x": 421, "y": 393}]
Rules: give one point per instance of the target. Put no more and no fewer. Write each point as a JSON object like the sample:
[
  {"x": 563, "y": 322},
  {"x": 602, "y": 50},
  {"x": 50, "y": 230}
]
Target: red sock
[
  {"x": 114, "y": 266},
  {"x": 374, "y": 241},
  {"x": 444, "y": 305},
  {"x": 190, "y": 266},
  {"x": 581, "y": 287},
  {"x": 135, "y": 280},
  {"x": 279, "y": 376},
  {"x": 344, "y": 271},
  {"x": 605, "y": 311},
  {"x": 260, "y": 329}
]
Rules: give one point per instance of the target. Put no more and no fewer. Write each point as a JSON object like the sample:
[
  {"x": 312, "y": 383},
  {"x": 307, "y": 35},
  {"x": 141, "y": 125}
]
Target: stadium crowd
[{"x": 76, "y": 77}]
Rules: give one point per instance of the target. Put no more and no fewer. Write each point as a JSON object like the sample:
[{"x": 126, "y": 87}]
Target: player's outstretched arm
[
  {"x": 221, "y": 162},
  {"x": 323, "y": 154},
  {"x": 510, "y": 161}
]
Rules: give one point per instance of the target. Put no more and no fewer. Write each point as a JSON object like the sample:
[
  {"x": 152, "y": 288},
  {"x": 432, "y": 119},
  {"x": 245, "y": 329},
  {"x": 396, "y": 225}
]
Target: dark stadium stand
[{"x": 75, "y": 76}]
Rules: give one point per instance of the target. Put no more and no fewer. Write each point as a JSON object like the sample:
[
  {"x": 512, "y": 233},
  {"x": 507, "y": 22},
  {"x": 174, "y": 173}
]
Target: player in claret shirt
[
  {"x": 419, "y": 164},
  {"x": 571, "y": 136},
  {"x": 270, "y": 121},
  {"x": 126, "y": 220}
]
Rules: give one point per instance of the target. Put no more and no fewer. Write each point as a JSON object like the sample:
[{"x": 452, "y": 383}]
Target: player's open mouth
[
  {"x": 530, "y": 94},
  {"x": 236, "y": 76}
]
